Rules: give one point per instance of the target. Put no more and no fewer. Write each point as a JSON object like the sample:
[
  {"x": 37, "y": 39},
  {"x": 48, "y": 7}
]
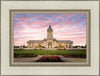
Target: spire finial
[
  {"x": 49, "y": 29},
  {"x": 49, "y": 26}
]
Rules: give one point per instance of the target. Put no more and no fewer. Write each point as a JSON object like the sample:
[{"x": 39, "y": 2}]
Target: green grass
[{"x": 49, "y": 52}]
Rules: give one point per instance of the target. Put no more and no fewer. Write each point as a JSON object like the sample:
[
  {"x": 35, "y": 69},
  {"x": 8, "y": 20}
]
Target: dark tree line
[{"x": 23, "y": 46}]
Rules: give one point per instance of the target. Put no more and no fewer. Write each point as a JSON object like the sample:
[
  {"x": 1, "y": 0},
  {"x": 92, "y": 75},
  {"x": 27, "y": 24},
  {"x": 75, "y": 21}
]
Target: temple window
[
  {"x": 39, "y": 45},
  {"x": 59, "y": 44}
]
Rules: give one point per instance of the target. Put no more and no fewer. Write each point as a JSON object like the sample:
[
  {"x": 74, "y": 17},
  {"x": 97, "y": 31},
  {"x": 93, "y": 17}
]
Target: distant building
[{"x": 50, "y": 42}]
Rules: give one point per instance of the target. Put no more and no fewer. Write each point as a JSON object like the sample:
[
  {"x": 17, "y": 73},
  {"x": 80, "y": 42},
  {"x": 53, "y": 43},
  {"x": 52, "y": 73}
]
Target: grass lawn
[{"x": 48, "y": 52}]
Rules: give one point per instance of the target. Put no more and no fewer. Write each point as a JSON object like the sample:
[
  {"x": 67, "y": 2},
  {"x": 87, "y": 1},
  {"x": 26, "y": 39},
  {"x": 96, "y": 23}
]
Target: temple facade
[{"x": 50, "y": 42}]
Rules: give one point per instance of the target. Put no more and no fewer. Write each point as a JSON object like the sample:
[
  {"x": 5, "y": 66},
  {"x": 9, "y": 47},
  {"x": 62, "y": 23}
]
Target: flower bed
[
  {"x": 52, "y": 58},
  {"x": 24, "y": 54}
]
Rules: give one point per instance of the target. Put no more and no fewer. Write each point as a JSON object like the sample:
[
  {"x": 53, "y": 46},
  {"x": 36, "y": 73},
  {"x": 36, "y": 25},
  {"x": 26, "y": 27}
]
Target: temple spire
[
  {"x": 49, "y": 32},
  {"x": 49, "y": 29},
  {"x": 49, "y": 26}
]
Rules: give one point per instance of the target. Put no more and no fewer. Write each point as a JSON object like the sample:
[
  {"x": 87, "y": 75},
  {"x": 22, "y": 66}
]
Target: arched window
[
  {"x": 39, "y": 45},
  {"x": 59, "y": 44},
  {"x": 49, "y": 45},
  {"x": 69, "y": 45},
  {"x": 66, "y": 46}
]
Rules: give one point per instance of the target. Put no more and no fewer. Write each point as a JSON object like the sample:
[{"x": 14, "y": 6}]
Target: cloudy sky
[{"x": 34, "y": 27}]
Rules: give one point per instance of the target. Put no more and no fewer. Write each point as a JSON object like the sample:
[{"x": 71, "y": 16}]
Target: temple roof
[
  {"x": 34, "y": 41},
  {"x": 49, "y": 38},
  {"x": 65, "y": 41},
  {"x": 49, "y": 29}
]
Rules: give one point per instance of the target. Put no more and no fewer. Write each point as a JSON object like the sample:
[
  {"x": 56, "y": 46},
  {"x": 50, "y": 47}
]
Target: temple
[{"x": 50, "y": 42}]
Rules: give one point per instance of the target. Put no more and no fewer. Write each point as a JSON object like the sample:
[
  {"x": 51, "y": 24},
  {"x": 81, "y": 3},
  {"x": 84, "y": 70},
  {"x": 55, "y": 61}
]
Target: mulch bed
[
  {"x": 75, "y": 56},
  {"x": 24, "y": 56}
]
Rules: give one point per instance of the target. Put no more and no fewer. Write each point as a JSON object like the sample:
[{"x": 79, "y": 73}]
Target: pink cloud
[{"x": 25, "y": 29}]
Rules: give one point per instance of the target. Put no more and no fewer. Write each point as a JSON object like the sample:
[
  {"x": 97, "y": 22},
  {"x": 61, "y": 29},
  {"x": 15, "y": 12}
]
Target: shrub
[{"x": 75, "y": 56}]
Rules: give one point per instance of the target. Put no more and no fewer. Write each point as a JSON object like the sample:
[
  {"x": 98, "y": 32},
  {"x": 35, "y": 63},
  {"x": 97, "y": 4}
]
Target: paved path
[{"x": 33, "y": 59}]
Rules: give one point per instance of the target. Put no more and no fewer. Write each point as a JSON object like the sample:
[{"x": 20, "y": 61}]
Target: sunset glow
[{"x": 34, "y": 27}]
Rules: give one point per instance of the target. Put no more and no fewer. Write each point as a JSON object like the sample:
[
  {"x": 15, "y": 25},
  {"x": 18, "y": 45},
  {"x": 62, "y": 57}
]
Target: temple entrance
[{"x": 49, "y": 45}]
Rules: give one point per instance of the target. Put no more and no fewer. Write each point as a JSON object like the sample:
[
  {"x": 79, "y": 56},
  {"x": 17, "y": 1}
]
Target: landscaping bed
[
  {"x": 24, "y": 55},
  {"x": 75, "y": 56},
  {"x": 52, "y": 58}
]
